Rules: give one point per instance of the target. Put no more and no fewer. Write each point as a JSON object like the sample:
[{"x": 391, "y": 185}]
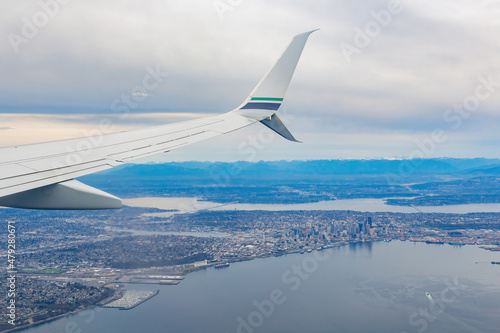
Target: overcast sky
[{"x": 379, "y": 80}]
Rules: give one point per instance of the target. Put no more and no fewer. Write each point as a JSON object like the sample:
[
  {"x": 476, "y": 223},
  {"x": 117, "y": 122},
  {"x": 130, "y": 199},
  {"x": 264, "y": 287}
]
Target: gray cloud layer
[{"x": 395, "y": 90}]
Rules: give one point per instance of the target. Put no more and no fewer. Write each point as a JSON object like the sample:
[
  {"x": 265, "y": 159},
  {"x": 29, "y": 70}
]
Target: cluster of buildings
[
  {"x": 38, "y": 299},
  {"x": 90, "y": 256}
]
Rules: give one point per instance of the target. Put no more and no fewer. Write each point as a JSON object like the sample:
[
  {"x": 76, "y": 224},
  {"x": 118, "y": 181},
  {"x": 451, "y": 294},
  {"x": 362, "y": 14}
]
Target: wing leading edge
[{"x": 41, "y": 176}]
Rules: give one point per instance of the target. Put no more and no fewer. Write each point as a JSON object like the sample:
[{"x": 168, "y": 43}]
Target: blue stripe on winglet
[{"x": 263, "y": 106}]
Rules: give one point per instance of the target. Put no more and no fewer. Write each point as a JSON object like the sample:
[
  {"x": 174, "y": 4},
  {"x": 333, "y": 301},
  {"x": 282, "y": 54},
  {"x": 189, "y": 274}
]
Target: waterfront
[
  {"x": 131, "y": 298},
  {"x": 89, "y": 255},
  {"x": 184, "y": 205},
  {"x": 361, "y": 287}
]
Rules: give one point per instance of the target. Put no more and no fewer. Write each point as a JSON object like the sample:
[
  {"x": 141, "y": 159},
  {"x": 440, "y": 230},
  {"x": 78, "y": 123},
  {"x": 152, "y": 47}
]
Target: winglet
[
  {"x": 267, "y": 96},
  {"x": 277, "y": 125},
  {"x": 274, "y": 84}
]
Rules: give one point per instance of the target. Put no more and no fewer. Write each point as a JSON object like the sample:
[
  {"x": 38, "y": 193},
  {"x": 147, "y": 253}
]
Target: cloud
[
  {"x": 428, "y": 58},
  {"x": 51, "y": 127}
]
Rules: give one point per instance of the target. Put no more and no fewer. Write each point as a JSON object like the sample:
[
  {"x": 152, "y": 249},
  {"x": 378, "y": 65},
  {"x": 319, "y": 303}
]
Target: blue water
[
  {"x": 361, "y": 205},
  {"x": 377, "y": 287}
]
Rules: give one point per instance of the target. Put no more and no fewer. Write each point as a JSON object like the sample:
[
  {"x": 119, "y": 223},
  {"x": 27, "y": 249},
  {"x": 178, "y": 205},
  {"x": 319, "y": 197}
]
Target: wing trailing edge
[{"x": 275, "y": 123}]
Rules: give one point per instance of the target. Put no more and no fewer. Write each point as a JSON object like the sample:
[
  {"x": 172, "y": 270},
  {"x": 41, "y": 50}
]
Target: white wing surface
[{"x": 41, "y": 176}]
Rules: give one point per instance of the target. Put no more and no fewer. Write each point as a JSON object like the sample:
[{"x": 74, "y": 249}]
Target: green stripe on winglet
[{"x": 267, "y": 99}]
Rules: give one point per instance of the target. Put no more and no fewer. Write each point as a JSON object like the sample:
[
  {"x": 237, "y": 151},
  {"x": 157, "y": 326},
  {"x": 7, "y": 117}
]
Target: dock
[
  {"x": 152, "y": 279},
  {"x": 131, "y": 299}
]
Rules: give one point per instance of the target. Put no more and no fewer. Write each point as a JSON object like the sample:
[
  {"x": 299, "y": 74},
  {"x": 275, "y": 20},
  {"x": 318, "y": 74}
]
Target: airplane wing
[{"x": 41, "y": 176}]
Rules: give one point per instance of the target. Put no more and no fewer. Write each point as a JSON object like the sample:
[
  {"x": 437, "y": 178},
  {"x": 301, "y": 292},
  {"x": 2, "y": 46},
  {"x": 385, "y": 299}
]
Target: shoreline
[
  {"x": 294, "y": 251},
  {"x": 144, "y": 300},
  {"x": 74, "y": 312},
  {"x": 49, "y": 319},
  {"x": 372, "y": 204}
]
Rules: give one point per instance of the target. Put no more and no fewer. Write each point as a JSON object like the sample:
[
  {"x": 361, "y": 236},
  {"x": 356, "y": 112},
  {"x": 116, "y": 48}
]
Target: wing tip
[{"x": 306, "y": 33}]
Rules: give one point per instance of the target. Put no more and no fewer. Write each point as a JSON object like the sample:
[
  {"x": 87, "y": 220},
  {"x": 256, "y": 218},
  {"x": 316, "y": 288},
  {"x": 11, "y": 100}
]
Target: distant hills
[
  {"x": 484, "y": 171},
  {"x": 312, "y": 169},
  {"x": 434, "y": 181}
]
